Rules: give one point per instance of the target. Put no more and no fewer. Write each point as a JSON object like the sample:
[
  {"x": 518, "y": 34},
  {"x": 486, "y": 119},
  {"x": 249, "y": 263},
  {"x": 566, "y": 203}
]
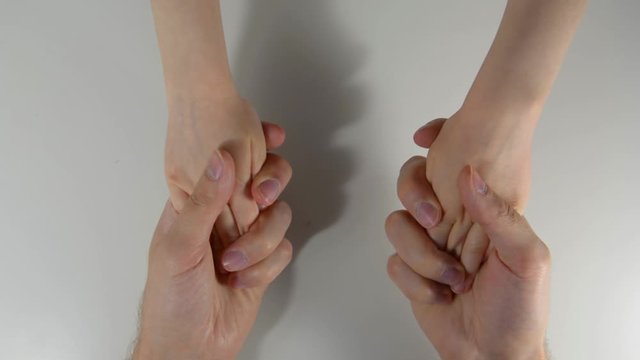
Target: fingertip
[
  {"x": 274, "y": 134},
  {"x": 427, "y": 134}
]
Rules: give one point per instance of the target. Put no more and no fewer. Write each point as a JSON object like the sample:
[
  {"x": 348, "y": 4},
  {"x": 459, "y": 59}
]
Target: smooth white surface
[{"x": 82, "y": 117}]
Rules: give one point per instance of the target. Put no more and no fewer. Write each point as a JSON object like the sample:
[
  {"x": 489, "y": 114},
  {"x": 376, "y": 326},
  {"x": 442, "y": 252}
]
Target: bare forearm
[
  {"x": 192, "y": 47},
  {"x": 524, "y": 60}
]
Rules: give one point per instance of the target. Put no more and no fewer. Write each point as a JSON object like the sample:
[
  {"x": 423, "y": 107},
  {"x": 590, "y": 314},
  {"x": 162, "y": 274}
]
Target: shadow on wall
[{"x": 294, "y": 64}]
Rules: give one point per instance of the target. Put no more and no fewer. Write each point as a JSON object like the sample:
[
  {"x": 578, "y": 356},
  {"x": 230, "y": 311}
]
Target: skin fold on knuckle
[
  {"x": 508, "y": 213},
  {"x": 200, "y": 199}
]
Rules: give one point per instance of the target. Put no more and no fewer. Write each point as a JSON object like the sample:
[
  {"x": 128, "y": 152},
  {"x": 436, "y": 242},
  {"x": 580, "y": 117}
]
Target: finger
[
  {"x": 515, "y": 242},
  {"x": 418, "y": 197},
  {"x": 209, "y": 196},
  {"x": 244, "y": 208},
  {"x": 427, "y": 134},
  {"x": 264, "y": 272},
  {"x": 179, "y": 197},
  {"x": 269, "y": 183},
  {"x": 226, "y": 228},
  {"x": 474, "y": 249},
  {"x": 262, "y": 239},
  {"x": 187, "y": 241},
  {"x": 274, "y": 135},
  {"x": 418, "y": 251},
  {"x": 415, "y": 287},
  {"x": 416, "y": 193}
]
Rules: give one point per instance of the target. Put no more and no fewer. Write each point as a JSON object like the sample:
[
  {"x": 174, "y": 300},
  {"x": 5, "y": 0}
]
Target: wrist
[
  {"x": 490, "y": 133},
  {"x": 538, "y": 353},
  {"x": 199, "y": 91}
]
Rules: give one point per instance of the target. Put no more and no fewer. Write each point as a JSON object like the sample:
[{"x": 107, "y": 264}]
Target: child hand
[{"x": 198, "y": 127}]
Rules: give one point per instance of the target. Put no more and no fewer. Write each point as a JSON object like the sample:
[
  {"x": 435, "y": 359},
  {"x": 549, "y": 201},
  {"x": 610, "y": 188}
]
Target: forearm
[
  {"x": 192, "y": 47},
  {"x": 524, "y": 59}
]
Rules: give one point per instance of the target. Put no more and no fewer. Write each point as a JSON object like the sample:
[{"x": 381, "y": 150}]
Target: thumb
[
  {"x": 194, "y": 224},
  {"x": 517, "y": 246}
]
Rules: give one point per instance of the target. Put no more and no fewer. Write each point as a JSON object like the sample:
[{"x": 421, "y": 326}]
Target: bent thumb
[{"x": 517, "y": 245}]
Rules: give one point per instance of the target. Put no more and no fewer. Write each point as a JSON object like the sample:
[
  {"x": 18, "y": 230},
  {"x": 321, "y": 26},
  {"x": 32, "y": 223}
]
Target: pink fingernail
[
  {"x": 427, "y": 214},
  {"x": 478, "y": 183},
  {"x": 269, "y": 190},
  {"x": 453, "y": 276},
  {"x": 215, "y": 167},
  {"x": 234, "y": 260}
]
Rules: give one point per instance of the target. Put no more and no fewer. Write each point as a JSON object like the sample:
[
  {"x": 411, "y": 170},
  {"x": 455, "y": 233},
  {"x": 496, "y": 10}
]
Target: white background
[{"x": 82, "y": 125}]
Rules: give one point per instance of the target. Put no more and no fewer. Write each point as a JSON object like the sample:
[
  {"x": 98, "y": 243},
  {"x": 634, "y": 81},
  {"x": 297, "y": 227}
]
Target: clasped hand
[{"x": 204, "y": 291}]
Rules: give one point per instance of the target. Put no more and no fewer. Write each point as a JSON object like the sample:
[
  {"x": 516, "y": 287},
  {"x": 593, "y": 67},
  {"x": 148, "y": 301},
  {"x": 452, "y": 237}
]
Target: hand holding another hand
[
  {"x": 497, "y": 149},
  {"x": 225, "y": 121},
  {"x": 503, "y": 313},
  {"x": 202, "y": 295}
]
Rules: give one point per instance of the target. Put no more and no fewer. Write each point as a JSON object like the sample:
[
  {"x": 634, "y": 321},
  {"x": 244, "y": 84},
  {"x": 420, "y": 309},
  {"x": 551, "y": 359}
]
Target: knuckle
[
  {"x": 286, "y": 165},
  {"x": 394, "y": 220},
  {"x": 199, "y": 199},
  {"x": 394, "y": 266},
  {"x": 403, "y": 190},
  {"x": 172, "y": 173},
  {"x": 535, "y": 260},
  {"x": 287, "y": 250},
  {"x": 423, "y": 295},
  {"x": 283, "y": 210},
  {"x": 264, "y": 248},
  {"x": 543, "y": 254},
  {"x": 416, "y": 159},
  {"x": 508, "y": 213}
]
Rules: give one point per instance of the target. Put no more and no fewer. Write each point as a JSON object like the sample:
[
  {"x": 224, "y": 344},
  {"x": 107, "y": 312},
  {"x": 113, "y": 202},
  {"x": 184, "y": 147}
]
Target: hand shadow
[{"x": 294, "y": 66}]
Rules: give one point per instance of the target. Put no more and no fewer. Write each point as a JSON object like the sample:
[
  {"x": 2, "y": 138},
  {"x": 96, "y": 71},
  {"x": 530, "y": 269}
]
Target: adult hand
[
  {"x": 504, "y": 313},
  {"x": 500, "y": 151},
  {"x": 201, "y": 298},
  {"x": 195, "y": 130}
]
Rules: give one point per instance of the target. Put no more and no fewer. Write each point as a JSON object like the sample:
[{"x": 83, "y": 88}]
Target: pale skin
[
  {"x": 194, "y": 305},
  {"x": 206, "y": 112},
  {"x": 503, "y": 315},
  {"x": 493, "y": 130}
]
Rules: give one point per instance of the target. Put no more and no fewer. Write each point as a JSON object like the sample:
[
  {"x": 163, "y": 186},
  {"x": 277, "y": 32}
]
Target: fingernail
[
  {"x": 464, "y": 286},
  {"x": 234, "y": 260},
  {"x": 427, "y": 214},
  {"x": 478, "y": 183},
  {"x": 458, "y": 288},
  {"x": 269, "y": 190},
  {"x": 453, "y": 276},
  {"x": 215, "y": 167}
]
